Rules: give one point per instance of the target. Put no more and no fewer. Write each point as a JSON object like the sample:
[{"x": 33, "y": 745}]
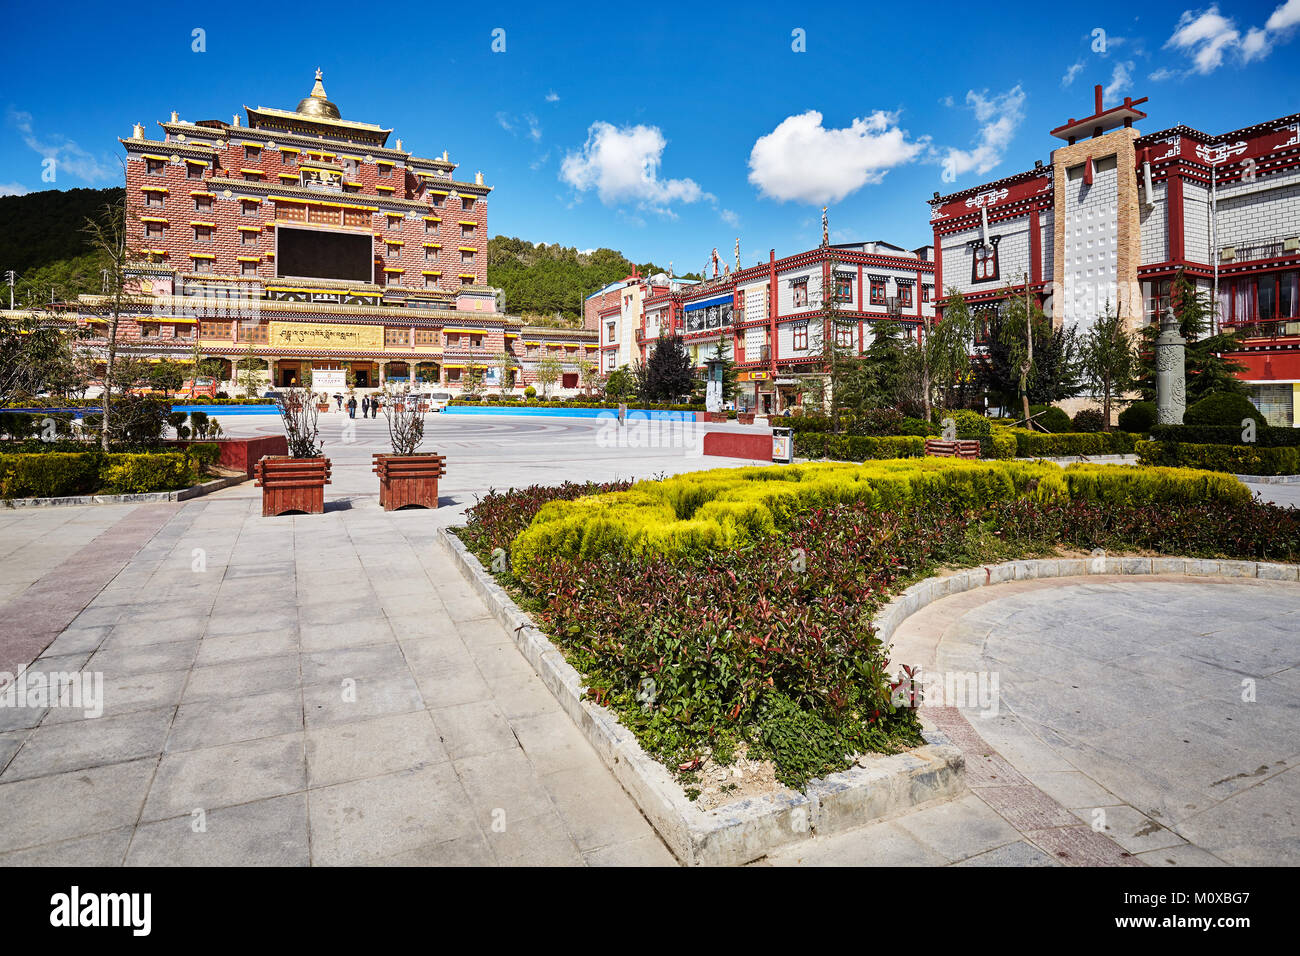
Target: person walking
[
  {"x": 338, "y": 397},
  {"x": 352, "y": 407},
  {"x": 374, "y": 407},
  {"x": 365, "y": 406}
]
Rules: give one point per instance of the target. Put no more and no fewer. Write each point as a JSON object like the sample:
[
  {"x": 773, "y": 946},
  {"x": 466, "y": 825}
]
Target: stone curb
[
  {"x": 747, "y": 829},
  {"x": 185, "y": 494},
  {"x": 1269, "y": 479},
  {"x": 930, "y": 590}
]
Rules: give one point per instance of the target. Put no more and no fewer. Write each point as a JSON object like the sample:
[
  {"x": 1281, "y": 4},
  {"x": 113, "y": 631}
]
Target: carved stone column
[{"x": 1171, "y": 379}]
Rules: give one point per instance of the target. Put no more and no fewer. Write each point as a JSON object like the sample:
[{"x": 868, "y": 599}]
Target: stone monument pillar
[{"x": 1171, "y": 380}]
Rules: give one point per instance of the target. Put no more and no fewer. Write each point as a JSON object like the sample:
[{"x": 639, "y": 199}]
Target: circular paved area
[{"x": 1164, "y": 710}]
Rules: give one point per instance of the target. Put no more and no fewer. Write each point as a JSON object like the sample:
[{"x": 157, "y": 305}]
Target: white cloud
[
  {"x": 729, "y": 217},
  {"x": 511, "y": 124},
  {"x": 1205, "y": 37},
  {"x": 999, "y": 116},
  {"x": 13, "y": 189},
  {"x": 1208, "y": 37},
  {"x": 622, "y": 165},
  {"x": 1070, "y": 74},
  {"x": 1121, "y": 79},
  {"x": 1255, "y": 45},
  {"x": 68, "y": 156},
  {"x": 1284, "y": 17},
  {"x": 804, "y": 161},
  {"x": 552, "y": 97}
]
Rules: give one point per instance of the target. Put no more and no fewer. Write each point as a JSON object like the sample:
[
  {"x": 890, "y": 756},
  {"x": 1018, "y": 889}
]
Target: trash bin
[{"x": 783, "y": 445}]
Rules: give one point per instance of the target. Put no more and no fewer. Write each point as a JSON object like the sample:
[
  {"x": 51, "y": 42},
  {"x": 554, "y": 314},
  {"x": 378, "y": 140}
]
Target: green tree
[
  {"x": 32, "y": 350},
  {"x": 471, "y": 383},
  {"x": 1108, "y": 359},
  {"x": 946, "y": 347},
  {"x": 118, "y": 247},
  {"x": 886, "y": 364},
  {"x": 166, "y": 376},
  {"x": 620, "y": 384},
  {"x": 1026, "y": 358},
  {"x": 549, "y": 370},
  {"x": 670, "y": 372},
  {"x": 248, "y": 371},
  {"x": 588, "y": 375},
  {"x": 505, "y": 371},
  {"x": 1207, "y": 361}
]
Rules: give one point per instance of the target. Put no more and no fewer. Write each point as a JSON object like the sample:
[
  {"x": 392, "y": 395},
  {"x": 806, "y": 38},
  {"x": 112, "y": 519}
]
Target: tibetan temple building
[{"x": 308, "y": 241}]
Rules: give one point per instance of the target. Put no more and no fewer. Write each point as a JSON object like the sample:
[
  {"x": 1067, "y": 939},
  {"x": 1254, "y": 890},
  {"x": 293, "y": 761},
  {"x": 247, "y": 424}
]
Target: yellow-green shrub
[
  {"x": 1133, "y": 484},
  {"x": 728, "y": 507},
  {"x": 139, "y": 474}
]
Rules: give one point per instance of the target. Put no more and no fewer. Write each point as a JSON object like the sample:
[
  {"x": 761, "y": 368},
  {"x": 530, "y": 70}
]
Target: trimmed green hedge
[
  {"x": 21, "y": 425},
  {"x": 1235, "y": 459},
  {"x": 1267, "y": 436},
  {"x": 1031, "y": 444},
  {"x": 67, "y": 474},
  {"x": 856, "y": 447},
  {"x": 731, "y": 507},
  {"x": 1222, "y": 408},
  {"x": 1138, "y": 417}
]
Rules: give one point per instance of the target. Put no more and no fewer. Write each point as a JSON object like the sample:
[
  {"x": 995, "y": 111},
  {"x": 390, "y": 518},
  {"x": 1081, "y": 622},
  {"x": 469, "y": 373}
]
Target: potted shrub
[
  {"x": 406, "y": 478},
  {"x": 295, "y": 482},
  {"x": 745, "y": 418}
]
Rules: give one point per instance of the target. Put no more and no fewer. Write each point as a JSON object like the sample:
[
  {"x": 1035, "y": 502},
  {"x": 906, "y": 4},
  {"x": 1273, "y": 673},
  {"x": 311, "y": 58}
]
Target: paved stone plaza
[{"x": 326, "y": 689}]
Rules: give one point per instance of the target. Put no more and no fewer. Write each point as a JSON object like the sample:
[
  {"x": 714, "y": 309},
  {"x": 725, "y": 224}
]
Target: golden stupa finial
[{"x": 317, "y": 103}]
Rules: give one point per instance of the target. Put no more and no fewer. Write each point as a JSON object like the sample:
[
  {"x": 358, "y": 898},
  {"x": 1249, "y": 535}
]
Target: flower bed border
[{"x": 738, "y": 832}]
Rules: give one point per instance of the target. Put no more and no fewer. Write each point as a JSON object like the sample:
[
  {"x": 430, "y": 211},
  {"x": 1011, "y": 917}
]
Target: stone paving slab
[{"x": 340, "y": 699}]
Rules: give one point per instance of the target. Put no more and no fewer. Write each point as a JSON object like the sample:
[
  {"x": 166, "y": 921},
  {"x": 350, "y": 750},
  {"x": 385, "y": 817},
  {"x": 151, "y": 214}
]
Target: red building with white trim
[{"x": 1115, "y": 215}]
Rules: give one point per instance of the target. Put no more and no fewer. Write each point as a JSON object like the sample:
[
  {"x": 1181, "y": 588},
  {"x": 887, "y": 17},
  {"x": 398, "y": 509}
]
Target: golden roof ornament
[{"x": 316, "y": 103}]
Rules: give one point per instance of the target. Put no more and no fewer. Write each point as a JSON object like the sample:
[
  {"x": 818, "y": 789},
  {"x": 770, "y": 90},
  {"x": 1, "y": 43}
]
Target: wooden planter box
[
  {"x": 409, "y": 480},
  {"x": 292, "y": 484},
  {"x": 960, "y": 448},
  {"x": 322, "y": 406},
  {"x": 745, "y": 418},
  {"x": 718, "y": 418}
]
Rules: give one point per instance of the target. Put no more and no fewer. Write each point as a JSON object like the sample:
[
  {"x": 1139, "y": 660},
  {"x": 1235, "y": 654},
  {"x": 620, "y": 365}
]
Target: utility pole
[{"x": 10, "y": 277}]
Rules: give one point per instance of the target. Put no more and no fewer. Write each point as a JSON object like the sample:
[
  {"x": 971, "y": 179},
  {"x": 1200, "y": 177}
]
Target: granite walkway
[{"x": 315, "y": 689}]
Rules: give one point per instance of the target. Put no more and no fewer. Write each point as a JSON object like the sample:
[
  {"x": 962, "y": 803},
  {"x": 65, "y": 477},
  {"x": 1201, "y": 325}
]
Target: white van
[{"x": 436, "y": 401}]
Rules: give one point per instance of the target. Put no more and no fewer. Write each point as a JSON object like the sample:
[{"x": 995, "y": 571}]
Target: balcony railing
[
  {"x": 1265, "y": 328},
  {"x": 1259, "y": 249}
]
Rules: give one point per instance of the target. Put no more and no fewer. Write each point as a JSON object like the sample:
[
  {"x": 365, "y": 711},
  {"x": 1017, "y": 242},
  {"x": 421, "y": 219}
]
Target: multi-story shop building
[
  {"x": 1116, "y": 214},
  {"x": 770, "y": 319},
  {"x": 304, "y": 240}
]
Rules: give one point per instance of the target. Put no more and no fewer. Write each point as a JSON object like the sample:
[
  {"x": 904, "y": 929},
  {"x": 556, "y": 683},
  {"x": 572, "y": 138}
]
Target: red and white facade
[
  {"x": 1117, "y": 214},
  {"x": 769, "y": 319}
]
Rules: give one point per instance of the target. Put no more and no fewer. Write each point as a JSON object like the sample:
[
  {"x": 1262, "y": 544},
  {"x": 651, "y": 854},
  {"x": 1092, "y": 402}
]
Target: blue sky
[{"x": 673, "y": 130}]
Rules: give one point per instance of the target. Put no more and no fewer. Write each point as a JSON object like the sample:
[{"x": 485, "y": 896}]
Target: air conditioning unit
[{"x": 1227, "y": 253}]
